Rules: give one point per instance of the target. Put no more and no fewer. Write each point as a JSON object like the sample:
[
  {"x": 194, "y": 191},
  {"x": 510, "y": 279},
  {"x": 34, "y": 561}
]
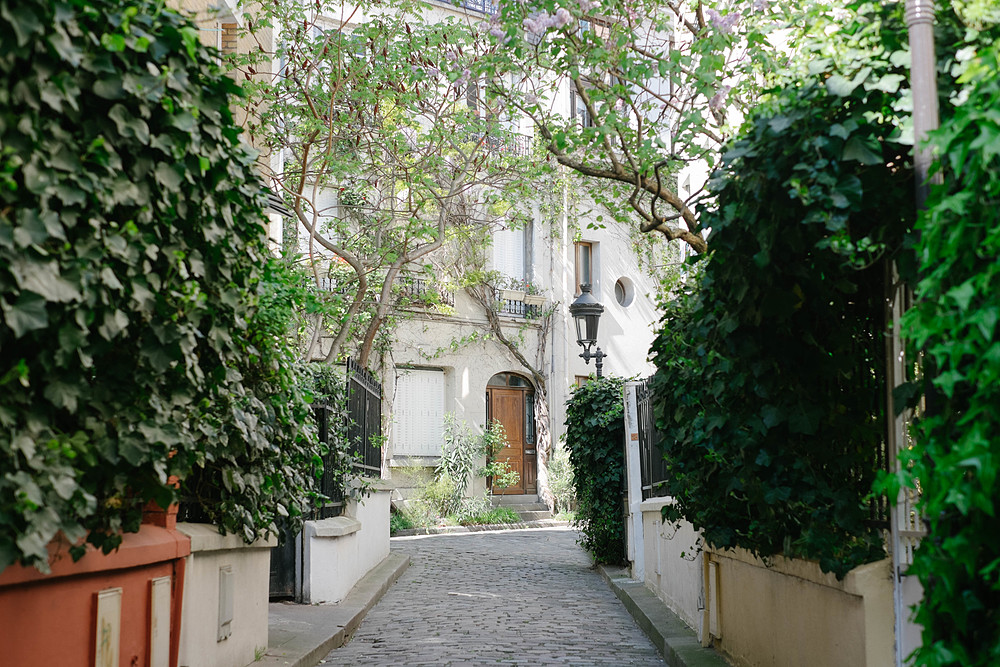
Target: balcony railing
[
  {"x": 517, "y": 308},
  {"x": 518, "y": 145},
  {"x": 420, "y": 291}
]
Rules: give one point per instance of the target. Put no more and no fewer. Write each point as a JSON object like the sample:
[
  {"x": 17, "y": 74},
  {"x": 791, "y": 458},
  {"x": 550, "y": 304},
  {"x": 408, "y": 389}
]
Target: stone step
[
  {"x": 534, "y": 515},
  {"x": 515, "y": 500},
  {"x": 526, "y": 507}
]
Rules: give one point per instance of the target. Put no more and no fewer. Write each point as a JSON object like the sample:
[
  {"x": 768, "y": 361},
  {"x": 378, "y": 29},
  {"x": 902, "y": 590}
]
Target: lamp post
[{"x": 586, "y": 312}]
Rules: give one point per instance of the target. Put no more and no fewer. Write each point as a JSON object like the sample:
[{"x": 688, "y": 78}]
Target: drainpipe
[
  {"x": 919, "y": 15},
  {"x": 923, "y": 82}
]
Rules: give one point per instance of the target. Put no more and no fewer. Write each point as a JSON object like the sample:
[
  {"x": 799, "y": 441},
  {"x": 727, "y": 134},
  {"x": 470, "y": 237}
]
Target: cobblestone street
[{"x": 527, "y": 597}]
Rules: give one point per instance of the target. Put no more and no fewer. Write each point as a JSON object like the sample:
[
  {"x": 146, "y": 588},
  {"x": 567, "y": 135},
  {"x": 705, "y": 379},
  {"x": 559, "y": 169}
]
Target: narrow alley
[{"x": 527, "y": 597}]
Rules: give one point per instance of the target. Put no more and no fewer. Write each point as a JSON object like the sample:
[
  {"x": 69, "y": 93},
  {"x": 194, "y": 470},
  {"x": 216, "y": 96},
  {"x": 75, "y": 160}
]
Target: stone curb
[
  {"x": 300, "y": 635},
  {"x": 443, "y": 530},
  {"x": 677, "y": 642}
]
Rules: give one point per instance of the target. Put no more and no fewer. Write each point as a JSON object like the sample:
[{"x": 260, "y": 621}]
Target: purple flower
[
  {"x": 723, "y": 24},
  {"x": 761, "y": 5},
  {"x": 562, "y": 17},
  {"x": 497, "y": 31},
  {"x": 719, "y": 98}
]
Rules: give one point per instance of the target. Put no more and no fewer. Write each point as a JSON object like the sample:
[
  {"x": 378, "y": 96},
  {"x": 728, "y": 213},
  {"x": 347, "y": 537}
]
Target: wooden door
[{"x": 508, "y": 408}]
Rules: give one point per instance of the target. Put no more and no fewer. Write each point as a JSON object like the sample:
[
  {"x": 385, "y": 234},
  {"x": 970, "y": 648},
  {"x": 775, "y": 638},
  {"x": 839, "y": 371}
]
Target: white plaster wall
[
  {"x": 200, "y": 612},
  {"x": 339, "y": 551},
  {"x": 673, "y": 564}
]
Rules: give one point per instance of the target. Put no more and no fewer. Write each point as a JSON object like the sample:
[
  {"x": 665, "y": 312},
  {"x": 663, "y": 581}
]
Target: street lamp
[{"x": 586, "y": 312}]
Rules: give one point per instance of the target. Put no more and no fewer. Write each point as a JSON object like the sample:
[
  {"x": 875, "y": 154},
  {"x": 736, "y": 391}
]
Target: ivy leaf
[
  {"x": 861, "y": 150},
  {"x": 26, "y": 314}
]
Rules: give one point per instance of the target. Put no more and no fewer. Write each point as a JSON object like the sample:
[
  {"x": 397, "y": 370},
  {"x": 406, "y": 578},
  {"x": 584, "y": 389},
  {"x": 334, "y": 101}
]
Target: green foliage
[
  {"x": 595, "y": 436},
  {"x": 770, "y": 369},
  {"x": 561, "y": 479},
  {"x": 485, "y": 516},
  {"x": 140, "y": 336},
  {"x": 954, "y": 324}
]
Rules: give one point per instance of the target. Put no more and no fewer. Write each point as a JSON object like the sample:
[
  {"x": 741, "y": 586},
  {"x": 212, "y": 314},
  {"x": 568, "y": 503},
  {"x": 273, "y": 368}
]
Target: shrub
[
  {"x": 595, "y": 436},
  {"x": 561, "y": 480},
  {"x": 138, "y": 340},
  {"x": 770, "y": 377}
]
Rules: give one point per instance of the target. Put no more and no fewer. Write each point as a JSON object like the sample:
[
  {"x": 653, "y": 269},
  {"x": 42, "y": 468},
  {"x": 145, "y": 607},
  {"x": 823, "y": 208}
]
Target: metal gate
[
  {"x": 363, "y": 430},
  {"x": 652, "y": 465}
]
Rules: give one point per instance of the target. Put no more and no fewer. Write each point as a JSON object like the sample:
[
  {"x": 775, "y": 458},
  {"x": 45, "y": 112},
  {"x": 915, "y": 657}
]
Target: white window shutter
[
  {"x": 508, "y": 252},
  {"x": 418, "y": 413}
]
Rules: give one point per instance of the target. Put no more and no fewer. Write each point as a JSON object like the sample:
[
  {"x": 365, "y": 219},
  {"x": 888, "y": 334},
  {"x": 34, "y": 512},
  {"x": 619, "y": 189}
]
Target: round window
[{"x": 624, "y": 291}]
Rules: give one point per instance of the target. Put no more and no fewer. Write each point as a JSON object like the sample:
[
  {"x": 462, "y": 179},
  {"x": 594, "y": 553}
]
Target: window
[
  {"x": 418, "y": 413},
  {"x": 624, "y": 291},
  {"x": 584, "y": 265},
  {"x": 529, "y": 418},
  {"x": 508, "y": 252},
  {"x": 577, "y": 109}
]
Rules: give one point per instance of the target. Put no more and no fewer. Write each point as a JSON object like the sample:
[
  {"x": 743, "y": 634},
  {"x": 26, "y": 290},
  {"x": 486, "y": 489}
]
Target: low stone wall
[
  {"x": 340, "y": 550},
  {"x": 673, "y": 564},
  {"x": 224, "y": 621},
  {"x": 782, "y": 613}
]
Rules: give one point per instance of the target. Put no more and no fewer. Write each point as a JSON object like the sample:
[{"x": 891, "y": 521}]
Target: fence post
[{"x": 633, "y": 477}]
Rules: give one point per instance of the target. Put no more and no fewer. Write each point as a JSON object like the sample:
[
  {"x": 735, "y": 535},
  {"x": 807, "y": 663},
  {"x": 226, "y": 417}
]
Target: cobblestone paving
[{"x": 527, "y": 597}]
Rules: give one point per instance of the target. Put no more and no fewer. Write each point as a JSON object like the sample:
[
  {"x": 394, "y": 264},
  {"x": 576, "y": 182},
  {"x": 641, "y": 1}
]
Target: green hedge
[
  {"x": 136, "y": 334},
  {"x": 595, "y": 440},
  {"x": 770, "y": 366}
]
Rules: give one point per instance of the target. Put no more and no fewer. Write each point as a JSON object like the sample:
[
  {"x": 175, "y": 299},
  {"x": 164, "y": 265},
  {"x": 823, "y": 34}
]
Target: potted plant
[
  {"x": 532, "y": 295},
  {"x": 513, "y": 290}
]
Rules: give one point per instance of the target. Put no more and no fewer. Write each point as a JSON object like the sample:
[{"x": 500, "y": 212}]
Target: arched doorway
[{"x": 510, "y": 399}]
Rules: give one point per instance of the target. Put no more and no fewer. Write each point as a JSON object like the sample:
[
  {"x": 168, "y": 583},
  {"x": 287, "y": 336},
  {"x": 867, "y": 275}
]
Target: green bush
[
  {"x": 561, "y": 480},
  {"x": 138, "y": 338},
  {"x": 770, "y": 381},
  {"x": 595, "y": 437}
]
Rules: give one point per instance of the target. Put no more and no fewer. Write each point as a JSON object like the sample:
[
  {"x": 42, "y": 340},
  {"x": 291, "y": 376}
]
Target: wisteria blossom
[
  {"x": 587, "y": 5},
  {"x": 761, "y": 5},
  {"x": 723, "y": 24},
  {"x": 719, "y": 98},
  {"x": 538, "y": 23}
]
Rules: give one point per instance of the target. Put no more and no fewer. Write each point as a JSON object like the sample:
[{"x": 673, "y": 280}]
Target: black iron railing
[
  {"x": 364, "y": 420},
  {"x": 421, "y": 291},
  {"x": 652, "y": 466}
]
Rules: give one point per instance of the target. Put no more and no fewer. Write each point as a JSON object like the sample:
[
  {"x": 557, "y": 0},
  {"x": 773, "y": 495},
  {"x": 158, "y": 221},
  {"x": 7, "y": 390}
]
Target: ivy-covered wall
[
  {"x": 955, "y": 456},
  {"x": 595, "y": 440},
  {"x": 139, "y": 336}
]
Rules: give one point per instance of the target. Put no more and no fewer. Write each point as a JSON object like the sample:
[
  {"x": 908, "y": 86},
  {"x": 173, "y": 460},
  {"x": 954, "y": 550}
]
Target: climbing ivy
[
  {"x": 954, "y": 324},
  {"x": 141, "y": 338},
  {"x": 595, "y": 436},
  {"x": 770, "y": 366}
]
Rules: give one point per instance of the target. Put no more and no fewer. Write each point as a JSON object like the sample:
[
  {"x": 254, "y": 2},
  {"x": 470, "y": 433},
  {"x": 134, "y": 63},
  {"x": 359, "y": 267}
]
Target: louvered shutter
[
  {"x": 508, "y": 252},
  {"x": 418, "y": 413}
]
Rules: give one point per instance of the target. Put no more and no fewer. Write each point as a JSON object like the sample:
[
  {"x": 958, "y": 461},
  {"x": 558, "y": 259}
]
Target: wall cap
[
  {"x": 655, "y": 504},
  {"x": 856, "y": 582},
  {"x": 206, "y": 537},
  {"x": 338, "y": 526}
]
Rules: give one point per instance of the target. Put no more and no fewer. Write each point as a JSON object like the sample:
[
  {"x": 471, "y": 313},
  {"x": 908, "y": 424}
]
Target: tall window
[
  {"x": 508, "y": 253},
  {"x": 584, "y": 264}
]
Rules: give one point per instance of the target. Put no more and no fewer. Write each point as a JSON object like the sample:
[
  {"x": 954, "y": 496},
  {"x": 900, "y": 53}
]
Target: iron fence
[
  {"x": 364, "y": 420},
  {"x": 652, "y": 465}
]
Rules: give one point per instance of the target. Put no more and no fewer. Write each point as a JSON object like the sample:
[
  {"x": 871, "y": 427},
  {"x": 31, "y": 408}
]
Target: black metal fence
[
  {"x": 364, "y": 420},
  {"x": 515, "y": 308},
  {"x": 652, "y": 466},
  {"x": 364, "y": 433}
]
